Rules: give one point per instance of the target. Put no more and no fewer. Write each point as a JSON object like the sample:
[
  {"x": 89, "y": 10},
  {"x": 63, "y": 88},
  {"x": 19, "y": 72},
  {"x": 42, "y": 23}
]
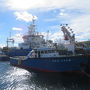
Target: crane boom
[{"x": 69, "y": 36}]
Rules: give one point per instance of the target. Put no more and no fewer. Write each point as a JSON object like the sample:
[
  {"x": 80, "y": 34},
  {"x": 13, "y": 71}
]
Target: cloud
[
  {"x": 80, "y": 4},
  {"x": 46, "y": 4},
  {"x": 24, "y": 16},
  {"x": 2, "y": 45},
  {"x": 63, "y": 13},
  {"x": 17, "y": 38},
  {"x": 54, "y": 34},
  {"x": 81, "y": 27},
  {"x": 57, "y": 36},
  {"x": 78, "y": 21},
  {"x": 17, "y": 29},
  {"x": 36, "y": 4}
]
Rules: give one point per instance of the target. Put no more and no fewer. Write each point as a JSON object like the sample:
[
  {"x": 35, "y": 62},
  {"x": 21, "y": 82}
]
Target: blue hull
[
  {"x": 18, "y": 52},
  {"x": 61, "y": 64}
]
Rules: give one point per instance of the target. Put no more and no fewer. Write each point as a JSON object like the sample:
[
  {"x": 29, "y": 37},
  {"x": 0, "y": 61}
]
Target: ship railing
[{"x": 19, "y": 57}]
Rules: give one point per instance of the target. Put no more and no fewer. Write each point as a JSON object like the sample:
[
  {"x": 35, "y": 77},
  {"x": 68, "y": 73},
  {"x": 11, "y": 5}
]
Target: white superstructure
[{"x": 34, "y": 39}]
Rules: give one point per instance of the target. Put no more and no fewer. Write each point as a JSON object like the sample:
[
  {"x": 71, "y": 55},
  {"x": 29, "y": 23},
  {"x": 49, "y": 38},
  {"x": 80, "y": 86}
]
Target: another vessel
[
  {"x": 4, "y": 57},
  {"x": 32, "y": 40}
]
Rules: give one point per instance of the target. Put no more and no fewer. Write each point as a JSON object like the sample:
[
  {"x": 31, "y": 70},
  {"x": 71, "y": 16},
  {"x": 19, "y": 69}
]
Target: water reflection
[
  {"x": 61, "y": 82},
  {"x": 13, "y": 78}
]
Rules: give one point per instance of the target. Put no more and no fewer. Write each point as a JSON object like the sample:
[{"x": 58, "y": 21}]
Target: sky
[{"x": 16, "y": 16}]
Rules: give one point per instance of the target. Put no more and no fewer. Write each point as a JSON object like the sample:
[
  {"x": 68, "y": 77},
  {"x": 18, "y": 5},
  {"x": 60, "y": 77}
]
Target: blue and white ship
[{"x": 52, "y": 59}]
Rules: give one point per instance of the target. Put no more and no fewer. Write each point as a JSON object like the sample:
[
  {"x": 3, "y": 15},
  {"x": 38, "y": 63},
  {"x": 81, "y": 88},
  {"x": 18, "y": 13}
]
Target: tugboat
[{"x": 52, "y": 59}]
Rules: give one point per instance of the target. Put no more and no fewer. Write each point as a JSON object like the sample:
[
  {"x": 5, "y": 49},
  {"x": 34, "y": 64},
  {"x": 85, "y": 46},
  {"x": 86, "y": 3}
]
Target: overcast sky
[{"x": 16, "y": 15}]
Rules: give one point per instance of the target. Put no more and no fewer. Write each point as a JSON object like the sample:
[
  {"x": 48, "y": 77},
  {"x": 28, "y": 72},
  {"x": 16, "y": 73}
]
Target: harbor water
[{"x": 14, "y": 78}]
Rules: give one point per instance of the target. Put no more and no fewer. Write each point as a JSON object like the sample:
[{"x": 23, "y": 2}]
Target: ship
[
  {"x": 50, "y": 60},
  {"x": 31, "y": 40},
  {"x": 53, "y": 59},
  {"x": 4, "y": 57}
]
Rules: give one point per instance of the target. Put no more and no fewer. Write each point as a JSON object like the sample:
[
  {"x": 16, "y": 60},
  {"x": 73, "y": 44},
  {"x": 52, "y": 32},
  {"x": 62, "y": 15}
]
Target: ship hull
[
  {"x": 61, "y": 64},
  {"x": 17, "y": 52}
]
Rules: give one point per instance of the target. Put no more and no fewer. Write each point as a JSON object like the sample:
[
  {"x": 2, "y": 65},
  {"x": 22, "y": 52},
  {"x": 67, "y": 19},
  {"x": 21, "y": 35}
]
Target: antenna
[
  {"x": 47, "y": 35},
  {"x": 32, "y": 27},
  {"x": 33, "y": 19}
]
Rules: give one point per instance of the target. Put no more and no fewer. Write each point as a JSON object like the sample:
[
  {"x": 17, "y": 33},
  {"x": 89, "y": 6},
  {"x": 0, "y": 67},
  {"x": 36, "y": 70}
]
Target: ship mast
[
  {"x": 32, "y": 27},
  {"x": 11, "y": 40}
]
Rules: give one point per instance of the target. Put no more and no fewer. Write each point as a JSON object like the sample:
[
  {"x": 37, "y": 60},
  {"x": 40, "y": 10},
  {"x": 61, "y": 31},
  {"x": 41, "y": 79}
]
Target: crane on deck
[{"x": 69, "y": 36}]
